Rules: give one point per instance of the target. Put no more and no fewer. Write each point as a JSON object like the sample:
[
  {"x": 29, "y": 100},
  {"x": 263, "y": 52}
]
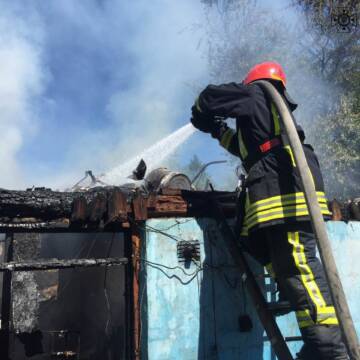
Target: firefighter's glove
[
  {"x": 219, "y": 128},
  {"x": 201, "y": 120}
]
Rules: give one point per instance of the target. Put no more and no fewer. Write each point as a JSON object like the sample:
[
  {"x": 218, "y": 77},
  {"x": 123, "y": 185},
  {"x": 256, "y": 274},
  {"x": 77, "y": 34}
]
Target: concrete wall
[{"x": 193, "y": 313}]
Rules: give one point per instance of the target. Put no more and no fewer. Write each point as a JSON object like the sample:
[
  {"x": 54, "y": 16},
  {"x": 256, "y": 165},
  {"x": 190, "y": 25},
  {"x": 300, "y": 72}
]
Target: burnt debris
[{"x": 104, "y": 208}]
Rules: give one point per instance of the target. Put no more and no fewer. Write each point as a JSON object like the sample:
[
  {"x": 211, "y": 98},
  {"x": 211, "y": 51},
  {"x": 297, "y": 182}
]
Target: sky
[{"x": 86, "y": 85}]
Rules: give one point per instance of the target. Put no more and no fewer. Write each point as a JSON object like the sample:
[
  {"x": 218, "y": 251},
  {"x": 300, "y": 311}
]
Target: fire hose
[{"x": 317, "y": 221}]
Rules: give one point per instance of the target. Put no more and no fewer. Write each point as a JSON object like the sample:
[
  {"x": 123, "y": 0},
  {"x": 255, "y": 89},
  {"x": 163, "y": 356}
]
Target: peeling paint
[{"x": 199, "y": 321}]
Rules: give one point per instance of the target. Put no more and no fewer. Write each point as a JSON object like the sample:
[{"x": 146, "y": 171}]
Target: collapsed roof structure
[{"x": 36, "y": 217}]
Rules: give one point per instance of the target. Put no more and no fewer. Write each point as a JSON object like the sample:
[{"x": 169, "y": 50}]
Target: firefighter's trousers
[{"x": 289, "y": 253}]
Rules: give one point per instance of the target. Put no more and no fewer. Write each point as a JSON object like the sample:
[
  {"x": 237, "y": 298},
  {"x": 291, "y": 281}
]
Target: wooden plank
[
  {"x": 139, "y": 205},
  {"x": 171, "y": 205},
  {"x": 105, "y": 209},
  {"x": 335, "y": 209},
  {"x": 79, "y": 213},
  {"x": 136, "y": 255},
  {"x": 117, "y": 206},
  {"x": 98, "y": 209}
]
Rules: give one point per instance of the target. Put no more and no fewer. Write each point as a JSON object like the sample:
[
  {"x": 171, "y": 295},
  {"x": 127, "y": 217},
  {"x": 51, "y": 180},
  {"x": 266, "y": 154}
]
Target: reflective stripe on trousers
[
  {"x": 325, "y": 315},
  {"x": 289, "y": 254}
]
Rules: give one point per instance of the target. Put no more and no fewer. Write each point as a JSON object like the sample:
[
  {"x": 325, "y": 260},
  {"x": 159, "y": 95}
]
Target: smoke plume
[{"x": 88, "y": 85}]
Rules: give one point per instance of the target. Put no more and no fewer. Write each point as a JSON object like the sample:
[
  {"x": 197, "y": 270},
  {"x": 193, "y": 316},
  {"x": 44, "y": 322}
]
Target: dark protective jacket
[{"x": 274, "y": 194}]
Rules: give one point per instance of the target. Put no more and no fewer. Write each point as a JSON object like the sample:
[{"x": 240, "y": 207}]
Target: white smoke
[
  {"x": 22, "y": 81},
  {"x": 146, "y": 96}
]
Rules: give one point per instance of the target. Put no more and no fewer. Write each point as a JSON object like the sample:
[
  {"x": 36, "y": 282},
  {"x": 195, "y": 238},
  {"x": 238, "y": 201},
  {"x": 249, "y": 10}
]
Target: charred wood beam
[
  {"x": 136, "y": 255},
  {"x": 105, "y": 209},
  {"x": 6, "y": 302},
  {"x": 172, "y": 203},
  {"x": 60, "y": 264},
  {"x": 43, "y": 204},
  {"x": 110, "y": 209}
]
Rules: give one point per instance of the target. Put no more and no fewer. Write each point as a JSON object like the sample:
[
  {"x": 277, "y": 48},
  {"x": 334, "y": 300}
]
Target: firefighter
[{"x": 276, "y": 226}]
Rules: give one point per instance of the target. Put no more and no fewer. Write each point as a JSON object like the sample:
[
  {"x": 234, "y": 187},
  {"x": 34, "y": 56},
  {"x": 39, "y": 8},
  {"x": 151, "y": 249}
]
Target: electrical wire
[
  {"x": 161, "y": 268},
  {"x": 149, "y": 228},
  {"x": 170, "y": 267},
  {"x": 157, "y": 231},
  {"x": 173, "y": 276},
  {"x": 232, "y": 285},
  {"x": 177, "y": 222}
]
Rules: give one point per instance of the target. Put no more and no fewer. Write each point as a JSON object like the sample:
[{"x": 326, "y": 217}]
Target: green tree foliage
[
  {"x": 339, "y": 134},
  {"x": 335, "y": 57},
  {"x": 241, "y": 36},
  {"x": 335, "y": 51},
  {"x": 322, "y": 65}
]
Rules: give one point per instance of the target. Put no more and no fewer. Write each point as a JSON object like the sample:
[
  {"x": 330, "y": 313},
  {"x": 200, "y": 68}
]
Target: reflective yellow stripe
[
  {"x": 288, "y": 149},
  {"x": 242, "y": 147},
  {"x": 197, "y": 105},
  {"x": 330, "y": 321},
  {"x": 306, "y": 323},
  {"x": 320, "y": 194},
  {"x": 276, "y": 118},
  {"x": 303, "y": 314},
  {"x": 280, "y": 207},
  {"x": 325, "y": 316},
  {"x": 306, "y": 275},
  {"x": 226, "y": 138},
  {"x": 293, "y": 207},
  {"x": 270, "y": 270},
  {"x": 304, "y": 318},
  {"x": 284, "y": 200},
  {"x": 245, "y": 231},
  {"x": 312, "y": 177},
  {"x": 326, "y": 310},
  {"x": 281, "y": 213}
]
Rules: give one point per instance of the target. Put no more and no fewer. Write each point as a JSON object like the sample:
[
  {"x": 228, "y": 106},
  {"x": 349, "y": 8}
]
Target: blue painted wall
[{"x": 193, "y": 313}]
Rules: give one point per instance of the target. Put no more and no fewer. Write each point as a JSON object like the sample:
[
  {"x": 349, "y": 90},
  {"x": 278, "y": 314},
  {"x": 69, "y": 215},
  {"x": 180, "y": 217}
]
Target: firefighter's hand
[
  {"x": 202, "y": 121},
  {"x": 218, "y": 129}
]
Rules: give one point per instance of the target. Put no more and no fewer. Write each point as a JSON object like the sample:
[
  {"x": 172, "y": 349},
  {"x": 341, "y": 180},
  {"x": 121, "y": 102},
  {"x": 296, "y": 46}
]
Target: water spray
[{"x": 153, "y": 156}]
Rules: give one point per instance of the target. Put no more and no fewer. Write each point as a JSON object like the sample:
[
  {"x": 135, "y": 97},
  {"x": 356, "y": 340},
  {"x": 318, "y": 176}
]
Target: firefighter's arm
[
  {"x": 227, "y": 100},
  {"x": 218, "y": 130},
  {"x": 229, "y": 141}
]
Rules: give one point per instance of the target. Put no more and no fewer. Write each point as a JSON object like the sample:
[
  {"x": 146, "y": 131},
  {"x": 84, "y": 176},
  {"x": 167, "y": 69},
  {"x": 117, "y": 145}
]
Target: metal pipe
[
  {"x": 203, "y": 168},
  {"x": 318, "y": 224}
]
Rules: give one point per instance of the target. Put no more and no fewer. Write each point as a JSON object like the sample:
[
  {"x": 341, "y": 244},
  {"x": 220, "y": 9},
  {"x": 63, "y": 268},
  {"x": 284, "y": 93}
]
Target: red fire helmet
[{"x": 266, "y": 70}]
